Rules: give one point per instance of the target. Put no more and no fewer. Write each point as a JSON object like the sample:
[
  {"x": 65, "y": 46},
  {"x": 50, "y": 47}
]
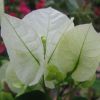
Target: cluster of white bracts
[{"x": 70, "y": 49}]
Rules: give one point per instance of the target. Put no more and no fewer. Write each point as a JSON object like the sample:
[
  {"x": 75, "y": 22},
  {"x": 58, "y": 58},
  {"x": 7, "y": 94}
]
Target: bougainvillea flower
[
  {"x": 40, "y": 4},
  {"x": 12, "y": 1},
  {"x": 12, "y": 14},
  {"x": 23, "y": 8},
  {"x": 2, "y": 48},
  {"x": 97, "y": 11},
  {"x": 46, "y": 44},
  {"x": 7, "y": 8}
]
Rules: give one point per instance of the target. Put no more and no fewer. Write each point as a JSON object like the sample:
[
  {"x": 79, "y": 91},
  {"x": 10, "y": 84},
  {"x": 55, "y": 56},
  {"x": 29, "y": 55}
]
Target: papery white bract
[
  {"x": 80, "y": 52},
  {"x": 51, "y": 24},
  {"x": 24, "y": 45},
  {"x": 20, "y": 53},
  {"x": 12, "y": 80}
]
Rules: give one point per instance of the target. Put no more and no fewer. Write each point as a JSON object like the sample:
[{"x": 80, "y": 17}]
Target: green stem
[
  {"x": 43, "y": 85},
  {"x": 58, "y": 93},
  {"x": 47, "y": 92}
]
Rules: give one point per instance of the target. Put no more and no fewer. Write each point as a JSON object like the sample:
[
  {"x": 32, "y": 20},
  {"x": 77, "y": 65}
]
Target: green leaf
[
  {"x": 34, "y": 95},
  {"x": 78, "y": 52},
  {"x": 54, "y": 74},
  {"x": 1, "y": 86},
  {"x": 79, "y": 98},
  {"x": 96, "y": 86},
  {"x": 6, "y": 96},
  {"x": 88, "y": 83},
  {"x": 72, "y": 5}
]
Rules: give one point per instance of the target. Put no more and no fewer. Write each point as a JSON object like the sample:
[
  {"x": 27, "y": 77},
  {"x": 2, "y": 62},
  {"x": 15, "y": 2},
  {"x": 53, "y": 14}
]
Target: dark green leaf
[
  {"x": 54, "y": 73},
  {"x": 6, "y": 96},
  {"x": 96, "y": 86},
  {"x": 35, "y": 95},
  {"x": 88, "y": 83},
  {"x": 79, "y": 98}
]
